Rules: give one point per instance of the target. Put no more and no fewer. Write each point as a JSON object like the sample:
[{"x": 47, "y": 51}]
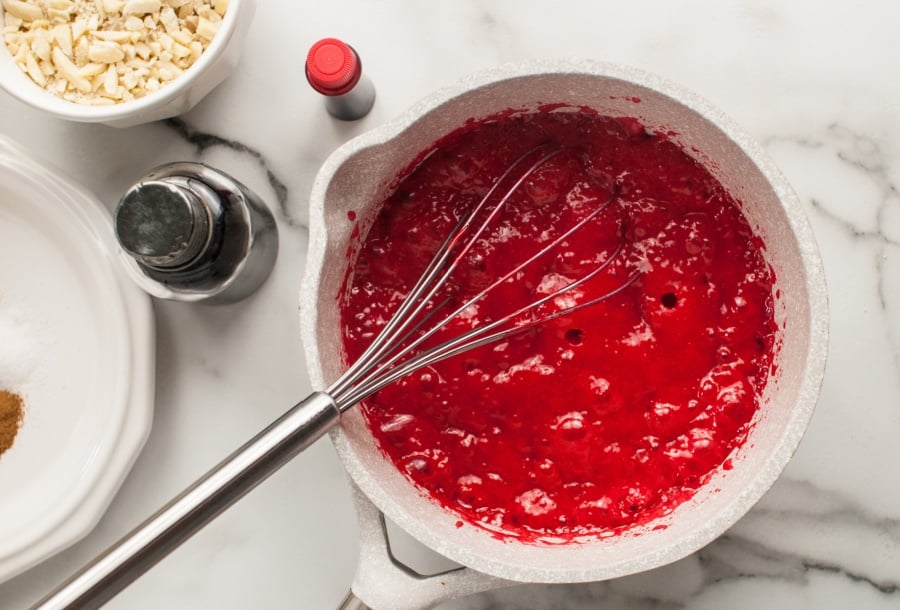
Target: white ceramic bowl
[
  {"x": 357, "y": 177},
  {"x": 215, "y": 64}
]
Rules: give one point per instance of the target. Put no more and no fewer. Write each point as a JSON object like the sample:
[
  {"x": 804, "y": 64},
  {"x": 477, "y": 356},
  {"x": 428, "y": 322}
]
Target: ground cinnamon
[{"x": 11, "y": 410}]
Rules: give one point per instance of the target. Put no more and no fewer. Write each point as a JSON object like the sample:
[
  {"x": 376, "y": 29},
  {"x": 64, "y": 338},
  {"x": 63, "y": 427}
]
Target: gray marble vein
[{"x": 202, "y": 141}]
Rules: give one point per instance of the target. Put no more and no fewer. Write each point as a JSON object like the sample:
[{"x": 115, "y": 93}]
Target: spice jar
[
  {"x": 194, "y": 233},
  {"x": 334, "y": 69}
]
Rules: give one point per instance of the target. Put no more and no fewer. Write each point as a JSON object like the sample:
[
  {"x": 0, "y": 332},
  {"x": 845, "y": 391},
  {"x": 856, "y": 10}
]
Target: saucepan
[{"x": 358, "y": 176}]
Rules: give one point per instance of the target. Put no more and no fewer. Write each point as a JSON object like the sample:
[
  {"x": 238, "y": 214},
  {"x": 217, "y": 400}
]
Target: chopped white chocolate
[
  {"x": 141, "y": 7},
  {"x": 69, "y": 71},
  {"x": 91, "y": 70},
  {"x": 34, "y": 70},
  {"x": 104, "y": 52},
  {"x": 182, "y": 37},
  {"x": 114, "y": 35},
  {"x": 79, "y": 28},
  {"x": 81, "y": 53},
  {"x": 23, "y": 10},
  {"x": 206, "y": 29},
  {"x": 133, "y": 24},
  {"x": 40, "y": 44},
  {"x": 169, "y": 19},
  {"x": 110, "y": 80},
  {"x": 55, "y": 14},
  {"x": 61, "y": 36}
]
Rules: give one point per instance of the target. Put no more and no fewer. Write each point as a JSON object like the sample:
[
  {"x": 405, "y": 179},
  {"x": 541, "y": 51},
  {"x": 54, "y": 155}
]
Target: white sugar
[{"x": 19, "y": 347}]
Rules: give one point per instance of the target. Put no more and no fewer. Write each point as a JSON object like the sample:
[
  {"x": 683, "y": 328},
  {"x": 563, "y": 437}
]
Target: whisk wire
[
  {"x": 487, "y": 333},
  {"x": 398, "y": 327},
  {"x": 485, "y": 329},
  {"x": 465, "y": 343},
  {"x": 383, "y": 362}
]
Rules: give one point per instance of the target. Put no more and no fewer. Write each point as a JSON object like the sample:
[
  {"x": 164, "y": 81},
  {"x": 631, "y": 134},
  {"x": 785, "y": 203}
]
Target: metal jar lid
[{"x": 163, "y": 223}]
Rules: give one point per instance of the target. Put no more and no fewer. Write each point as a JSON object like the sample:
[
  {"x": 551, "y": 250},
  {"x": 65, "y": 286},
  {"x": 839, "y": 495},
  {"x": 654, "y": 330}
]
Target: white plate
[{"x": 89, "y": 395}]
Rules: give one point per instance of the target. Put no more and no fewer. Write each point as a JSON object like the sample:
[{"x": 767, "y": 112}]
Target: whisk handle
[{"x": 138, "y": 551}]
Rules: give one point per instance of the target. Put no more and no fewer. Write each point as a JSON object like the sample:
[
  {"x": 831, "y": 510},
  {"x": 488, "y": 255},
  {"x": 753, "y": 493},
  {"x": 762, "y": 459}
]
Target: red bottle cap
[{"x": 332, "y": 67}]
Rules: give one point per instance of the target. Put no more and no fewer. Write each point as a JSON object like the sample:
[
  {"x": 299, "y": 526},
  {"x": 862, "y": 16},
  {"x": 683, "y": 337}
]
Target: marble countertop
[{"x": 814, "y": 82}]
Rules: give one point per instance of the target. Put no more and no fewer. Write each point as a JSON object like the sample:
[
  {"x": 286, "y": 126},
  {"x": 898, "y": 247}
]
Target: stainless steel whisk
[{"x": 391, "y": 355}]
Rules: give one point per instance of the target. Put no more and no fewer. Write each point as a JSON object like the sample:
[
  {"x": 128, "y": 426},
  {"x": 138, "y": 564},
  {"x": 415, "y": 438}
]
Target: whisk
[{"x": 399, "y": 349}]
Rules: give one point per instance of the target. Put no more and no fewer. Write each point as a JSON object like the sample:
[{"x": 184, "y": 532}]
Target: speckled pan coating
[{"x": 356, "y": 176}]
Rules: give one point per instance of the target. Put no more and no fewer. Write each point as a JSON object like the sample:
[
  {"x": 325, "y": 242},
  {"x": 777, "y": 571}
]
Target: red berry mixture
[{"x": 599, "y": 420}]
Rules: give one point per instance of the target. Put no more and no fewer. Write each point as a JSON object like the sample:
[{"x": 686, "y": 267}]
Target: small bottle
[
  {"x": 334, "y": 69},
  {"x": 193, "y": 233}
]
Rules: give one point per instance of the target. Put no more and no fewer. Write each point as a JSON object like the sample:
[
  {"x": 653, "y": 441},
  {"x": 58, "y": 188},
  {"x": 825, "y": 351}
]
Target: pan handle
[
  {"x": 383, "y": 582},
  {"x": 137, "y": 552},
  {"x": 351, "y": 602}
]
